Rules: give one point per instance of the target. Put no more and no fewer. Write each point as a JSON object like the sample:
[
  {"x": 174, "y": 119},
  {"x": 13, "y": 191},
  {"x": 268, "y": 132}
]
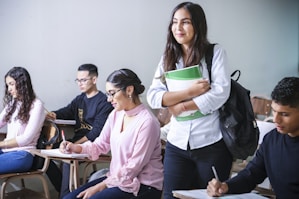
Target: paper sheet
[
  {"x": 57, "y": 153},
  {"x": 202, "y": 194}
]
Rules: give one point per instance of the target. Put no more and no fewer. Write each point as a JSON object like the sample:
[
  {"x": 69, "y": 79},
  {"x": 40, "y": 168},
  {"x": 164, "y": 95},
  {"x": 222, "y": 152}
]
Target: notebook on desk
[
  {"x": 57, "y": 153},
  {"x": 202, "y": 194}
]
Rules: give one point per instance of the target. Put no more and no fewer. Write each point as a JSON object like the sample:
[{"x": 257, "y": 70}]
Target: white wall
[{"x": 51, "y": 38}]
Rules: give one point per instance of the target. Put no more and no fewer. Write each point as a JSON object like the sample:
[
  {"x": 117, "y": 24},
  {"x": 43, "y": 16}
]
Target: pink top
[
  {"x": 136, "y": 152},
  {"x": 26, "y": 134}
]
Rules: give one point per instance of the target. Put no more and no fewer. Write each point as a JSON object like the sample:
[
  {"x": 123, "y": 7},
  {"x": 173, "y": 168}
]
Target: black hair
[
  {"x": 91, "y": 68},
  {"x": 286, "y": 92},
  {"x": 125, "y": 77}
]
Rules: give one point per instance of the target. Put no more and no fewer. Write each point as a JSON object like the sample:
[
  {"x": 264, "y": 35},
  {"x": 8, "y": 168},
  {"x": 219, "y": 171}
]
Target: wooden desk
[{"x": 74, "y": 182}]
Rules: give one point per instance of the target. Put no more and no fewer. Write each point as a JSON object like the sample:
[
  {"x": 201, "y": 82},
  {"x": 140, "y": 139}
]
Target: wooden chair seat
[{"x": 37, "y": 173}]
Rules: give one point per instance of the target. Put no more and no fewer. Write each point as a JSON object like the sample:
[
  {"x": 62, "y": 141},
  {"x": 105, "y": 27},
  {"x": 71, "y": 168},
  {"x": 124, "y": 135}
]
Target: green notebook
[{"x": 181, "y": 79}]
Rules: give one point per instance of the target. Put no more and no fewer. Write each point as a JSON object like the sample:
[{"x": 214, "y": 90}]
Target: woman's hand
[
  {"x": 69, "y": 147},
  {"x": 216, "y": 188},
  {"x": 176, "y": 109},
  {"x": 87, "y": 193},
  {"x": 65, "y": 147},
  {"x": 198, "y": 88}
]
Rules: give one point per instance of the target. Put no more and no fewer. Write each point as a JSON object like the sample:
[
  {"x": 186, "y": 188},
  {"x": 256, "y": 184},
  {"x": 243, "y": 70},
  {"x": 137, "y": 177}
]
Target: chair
[
  {"x": 49, "y": 129},
  {"x": 261, "y": 108},
  {"x": 163, "y": 116},
  {"x": 89, "y": 163}
]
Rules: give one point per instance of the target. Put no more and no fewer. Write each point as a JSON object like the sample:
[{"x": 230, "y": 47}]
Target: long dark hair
[
  {"x": 173, "y": 50},
  {"x": 125, "y": 77},
  {"x": 25, "y": 94}
]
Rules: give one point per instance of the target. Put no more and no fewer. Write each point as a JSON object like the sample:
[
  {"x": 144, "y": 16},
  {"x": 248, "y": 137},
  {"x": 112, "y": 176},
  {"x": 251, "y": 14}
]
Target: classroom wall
[{"x": 51, "y": 38}]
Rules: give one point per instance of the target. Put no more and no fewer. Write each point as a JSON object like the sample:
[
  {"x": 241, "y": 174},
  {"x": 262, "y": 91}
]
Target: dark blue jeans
[
  {"x": 15, "y": 161},
  {"x": 145, "y": 192},
  {"x": 192, "y": 169},
  {"x": 65, "y": 180}
]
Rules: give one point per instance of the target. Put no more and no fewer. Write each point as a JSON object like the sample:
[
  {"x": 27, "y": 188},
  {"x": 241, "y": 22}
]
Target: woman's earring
[{"x": 130, "y": 96}]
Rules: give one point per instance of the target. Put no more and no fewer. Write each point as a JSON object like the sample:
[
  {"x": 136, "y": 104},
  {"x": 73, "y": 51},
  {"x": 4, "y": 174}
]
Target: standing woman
[
  {"x": 132, "y": 134},
  {"x": 24, "y": 116},
  {"x": 194, "y": 145}
]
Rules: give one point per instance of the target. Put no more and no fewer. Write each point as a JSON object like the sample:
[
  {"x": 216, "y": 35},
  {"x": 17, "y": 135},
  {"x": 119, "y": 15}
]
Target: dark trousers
[
  {"x": 55, "y": 176},
  {"x": 65, "y": 189},
  {"x": 192, "y": 169},
  {"x": 145, "y": 192}
]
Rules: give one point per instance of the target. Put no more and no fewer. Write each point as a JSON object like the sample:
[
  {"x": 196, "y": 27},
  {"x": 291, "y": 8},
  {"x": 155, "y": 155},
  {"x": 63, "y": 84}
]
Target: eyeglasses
[
  {"x": 82, "y": 81},
  {"x": 111, "y": 93}
]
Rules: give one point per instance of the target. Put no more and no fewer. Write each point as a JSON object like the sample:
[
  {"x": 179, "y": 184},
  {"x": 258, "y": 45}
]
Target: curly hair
[
  {"x": 173, "y": 50},
  {"x": 25, "y": 94},
  {"x": 286, "y": 92}
]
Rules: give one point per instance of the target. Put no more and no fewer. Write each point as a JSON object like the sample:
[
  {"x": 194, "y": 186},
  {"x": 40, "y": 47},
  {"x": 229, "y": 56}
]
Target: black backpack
[{"x": 237, "y": 122}]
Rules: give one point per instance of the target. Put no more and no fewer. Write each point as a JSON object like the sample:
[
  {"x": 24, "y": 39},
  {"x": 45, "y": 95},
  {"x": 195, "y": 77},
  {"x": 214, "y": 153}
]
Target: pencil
[
  {"x": 47, "y": 110},
  {"x": 62, "y": 134},
  {"x": 215, "y": 173}
]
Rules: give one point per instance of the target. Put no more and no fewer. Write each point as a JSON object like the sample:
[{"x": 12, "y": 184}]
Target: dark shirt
[
  {"x": 277, "y": 158},
  {"x": 90, "y": 115}
]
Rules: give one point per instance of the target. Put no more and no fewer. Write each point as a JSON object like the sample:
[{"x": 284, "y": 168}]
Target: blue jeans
[
  {"x": 15, "y": 161},
  {"x": 192, "y": 169},
  {"x": 145, "y": 192}
]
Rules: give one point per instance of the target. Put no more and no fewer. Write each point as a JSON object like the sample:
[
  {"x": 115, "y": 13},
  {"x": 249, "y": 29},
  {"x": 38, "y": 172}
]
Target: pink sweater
[
  {"x": 136, "y": 152},
  {"x": 26, "y": 134}
]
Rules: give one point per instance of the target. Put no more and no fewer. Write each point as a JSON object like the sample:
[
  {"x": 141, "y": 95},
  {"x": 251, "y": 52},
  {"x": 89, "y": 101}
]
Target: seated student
[
  {"x": 24, "y": 115},
  {"x": 90, "y": 109},
  {"x": 132, "y": 134},
  {"x": 277, "y": 156}
]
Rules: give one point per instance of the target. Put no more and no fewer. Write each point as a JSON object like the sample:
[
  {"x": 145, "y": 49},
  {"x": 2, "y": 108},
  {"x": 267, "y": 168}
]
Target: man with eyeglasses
[{"x": 90, "y": 109}]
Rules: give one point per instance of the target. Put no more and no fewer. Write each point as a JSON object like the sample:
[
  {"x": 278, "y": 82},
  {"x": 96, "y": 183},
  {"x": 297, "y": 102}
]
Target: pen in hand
[
  {"x": 215, "y": 173},
  {"x": 47, "y": 111},
  {"x": 64, "y": 141},
  {"x": 62, "y": 134}
]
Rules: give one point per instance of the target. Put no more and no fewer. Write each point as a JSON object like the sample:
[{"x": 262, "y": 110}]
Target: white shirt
[
  {"x": 26, "y": 134},
  {"x": 205, "y": 130}
]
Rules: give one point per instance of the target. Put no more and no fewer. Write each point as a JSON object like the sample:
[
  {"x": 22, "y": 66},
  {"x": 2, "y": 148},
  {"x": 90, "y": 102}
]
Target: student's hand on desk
[
  {"x": 69, "y": 147},
  {"x": 216, "y": 188},
  {"x": 87, "y": 193},
  {"x": 65, "y": 147}
]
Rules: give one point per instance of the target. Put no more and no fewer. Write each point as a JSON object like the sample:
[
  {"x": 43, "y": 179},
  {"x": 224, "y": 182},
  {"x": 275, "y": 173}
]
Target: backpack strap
[
  {"x": 236, "y": 73},
  {"x": 209, "y": 58}
]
